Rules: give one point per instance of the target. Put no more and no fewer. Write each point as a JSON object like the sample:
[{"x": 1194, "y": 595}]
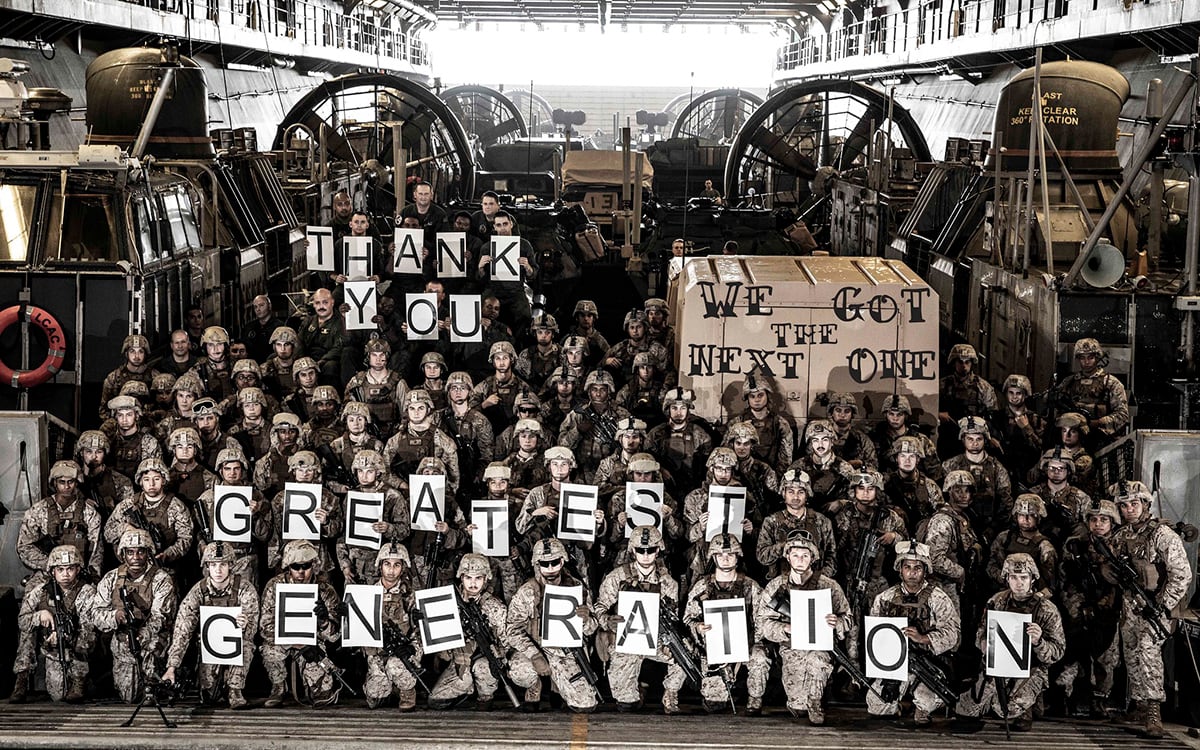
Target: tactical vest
[
  {"x": 395, "y": 610},
  {"x": 850, "y": 448},
  {"x": 103, "y": 490},
  {"x": 409, "y": 449},
  {"x": 378, "y": 397},
  {"x": 1089, "y": 394},
  {"x": 68, "y": 527},
  {"x": 160, "y": 519},
  {"x": 70, "y": 594},
  {"x": 767, "y": 448},
  {"x": 187, "y": 485},
  {"x": 541, "y": 365},
  {"x": 962, "y": 399},
  {"x": 913, "y": 606},
  {"x": 679, "y": 448},
  {"x": 127, "y": 453},
  {"x": 210, "y": 597},
  {"x": 1017, "y": 543},
  {"x": 632, "y": 583},
  {"x": 141, "y": 593},
  {"x": 217, "y": 382}
]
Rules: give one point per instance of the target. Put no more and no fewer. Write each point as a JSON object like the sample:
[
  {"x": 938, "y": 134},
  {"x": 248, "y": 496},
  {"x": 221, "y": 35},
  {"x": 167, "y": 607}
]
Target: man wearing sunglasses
[
  {"x": 933, "y": 627},
  {"x": 530, "y": 662},
  {"x": 299, "y": 565},
  {"x": 646, "y": 572}
]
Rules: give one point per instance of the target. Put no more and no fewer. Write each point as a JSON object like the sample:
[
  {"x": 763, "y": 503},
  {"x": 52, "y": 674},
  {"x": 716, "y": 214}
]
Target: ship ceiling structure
[{"x": 616, "y": 13}]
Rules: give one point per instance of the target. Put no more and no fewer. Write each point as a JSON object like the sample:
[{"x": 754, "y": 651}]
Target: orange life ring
[{"x": 55, "y": 339}]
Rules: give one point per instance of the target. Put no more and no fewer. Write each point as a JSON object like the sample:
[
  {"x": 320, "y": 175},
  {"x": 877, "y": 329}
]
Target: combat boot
[
  {"x": 1135, "y": 714},
  {"x": 408, "y": 699},
  {"x": 20, "y": 691},
  {"x": 74, "y": 690},
  {"x": 275, "y": 698},
  {"x": 1024, "y": 722},
  {"x": 483, "y": 704},
  {"x": 754, "y": 705},
  {"x": 921, "y": 717},
  {"x": 237, "y": 701},
  {"x": 533, "y": 697},
  {"x": 670, "y": 702},
  {"x": 1153, "y": 727},
  {"x": 816, "y": 713}
]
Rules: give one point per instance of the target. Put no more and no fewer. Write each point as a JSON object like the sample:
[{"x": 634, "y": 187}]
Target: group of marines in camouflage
[{"x": 123, "y": 556}]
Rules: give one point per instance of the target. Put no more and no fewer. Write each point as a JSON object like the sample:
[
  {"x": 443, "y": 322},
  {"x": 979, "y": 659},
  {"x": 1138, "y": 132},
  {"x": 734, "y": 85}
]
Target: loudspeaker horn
[{"x": 1104, "y": 266}]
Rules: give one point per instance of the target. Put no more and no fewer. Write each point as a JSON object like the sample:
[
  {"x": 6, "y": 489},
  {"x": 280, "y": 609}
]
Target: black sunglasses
[
  {"x": 646, "y": 550},
  {"x": 301, "y": 566},
  {"x": 550, "y": 563}
]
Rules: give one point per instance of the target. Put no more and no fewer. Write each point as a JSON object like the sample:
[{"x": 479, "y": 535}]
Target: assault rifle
[
  {"x": 1002, "y": 695},
  {"x": 604, "y": 425},
  {"x": 1129, "y": 581},
  {"x": 868, "y": 549},
  {"x": 928, "y": 671},
  {"x": 433, "y": 558},
  {"x": 397, "y": 644},
  {"x": 138, "y": 517},
  {"x": 332, "y": 467},
  {"x": 205, "y": 528},
  {"x": 674, "y": 634},
  {"x": 585, "y": 670},
  {"x": 316, "y": 655},
  {"x": 781, "y": 603},
  {"x": 65, "y": 627},
  {"x": 153, "y": 689},
  {"x": 477, "y": 630}
]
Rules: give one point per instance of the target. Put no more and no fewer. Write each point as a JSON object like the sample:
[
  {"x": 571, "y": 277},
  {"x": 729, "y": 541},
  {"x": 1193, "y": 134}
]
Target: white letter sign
[
  {"x": 421, "y": 316},
  {"x": 220, "y": 636},
  {"x": 427, "y": 493},
  {"x": 886, "y": 647},
  {"x": 452, "y": 255},
  {"x": 643, "y": 505},
  {"x": 638, "y": 631},
  {"x": 363, "y": 509},
  {"x": 362, "y": 624},
  {"x": 1009, "y": 648},
  {"x": 300, "y": 503},
  {"x": 576, "y": 506},
  {"x": 231, "y": 513},
  {"x": 729, "y": 640},
  {"x": 441, "y": 624},
  {"x": 320, "y": 249},
  {"x": 295, "y": 614},
  {"x": 810, "y": 631},
  {"x": 490, "y": 536},
  {"x": 560, "y": 626},
  {"x": 726, "y": 511}
]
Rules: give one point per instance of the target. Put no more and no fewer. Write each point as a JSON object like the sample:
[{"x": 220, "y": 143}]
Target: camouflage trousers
[
  {"x": 565, "y": 676},
  {"x": 125, "y": 668},
  {"x": 712, "y": 687},
  {"x": 1102, "y": 670},
  {"x": 805, "y": 674},
  {"x": 385, "y": 676},
  {"x": 1022, "y": 694},
  {"x": 56, "y": 676},
  {"x": 923, "y": 698},
  {"x": 459, "y": 680},
  {"x": 625, "y": 669},
  {"x": 230, "y": 676},
  {"x": 318, "y": 682},
  {"x": 1143, "y": 655}
]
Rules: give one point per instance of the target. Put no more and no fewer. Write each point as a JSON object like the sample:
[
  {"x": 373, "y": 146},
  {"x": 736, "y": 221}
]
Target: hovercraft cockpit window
[{"x": 88, "y": 230}]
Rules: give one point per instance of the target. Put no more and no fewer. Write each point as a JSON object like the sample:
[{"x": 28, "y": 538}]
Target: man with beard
[
  {"x": 912, "y": 493},
  {"x": 805, "y": 673},
  {"x": 727, "y": 582},
  {"x": 647, "y": 573},
  {"x": 136, "y": 601},
  {"x": 1045, "y": 637},
  {"x": 469, "y": 670},
  {"x": 828, "y": 474},
  {"x": 163, "y": 517},
  {"x": 232, "y": 472},
  {"x": 530, "y": 662},
  {"x": 933, "y": 628},
  {"x": 37, "y": 622},
  {"x": 134, "y": 350},
  {"x": 132, "y": 443},
  {"x": 777, "y": 527},
  {"x": 299, "y": 565},
  {"x": 219, "y": 587},
  {"x": 681, "y": 443},
  {"x": 850, "y": 443},
  {"x": 63, "y": 518},
  {"x": 100, "y": 484}
]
